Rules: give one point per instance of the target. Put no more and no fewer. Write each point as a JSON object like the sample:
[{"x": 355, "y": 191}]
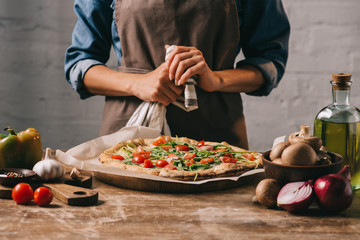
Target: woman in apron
[{"x": 209, "y": 35}]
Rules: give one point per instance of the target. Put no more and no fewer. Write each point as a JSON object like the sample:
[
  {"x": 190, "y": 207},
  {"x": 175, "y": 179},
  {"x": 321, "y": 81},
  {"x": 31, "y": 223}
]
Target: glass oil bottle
[{"x": 338, "y": 125}]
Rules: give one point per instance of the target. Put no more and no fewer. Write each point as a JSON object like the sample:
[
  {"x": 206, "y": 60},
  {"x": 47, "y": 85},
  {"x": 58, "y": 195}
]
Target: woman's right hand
[{"x": 156, "y": 86}]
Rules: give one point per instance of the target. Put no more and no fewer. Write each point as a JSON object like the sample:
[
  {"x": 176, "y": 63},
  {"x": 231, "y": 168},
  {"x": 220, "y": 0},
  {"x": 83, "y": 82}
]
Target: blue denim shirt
[{"x": 264, "y": 29}]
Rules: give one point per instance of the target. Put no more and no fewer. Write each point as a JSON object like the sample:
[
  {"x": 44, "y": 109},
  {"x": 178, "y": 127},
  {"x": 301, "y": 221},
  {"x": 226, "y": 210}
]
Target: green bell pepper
[{"x": 20, "y": 150}]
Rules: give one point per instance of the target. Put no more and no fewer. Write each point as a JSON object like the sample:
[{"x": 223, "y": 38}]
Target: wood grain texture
[
  {"x": 130, "y": 214},
  {"x": 73, "y": 195}
]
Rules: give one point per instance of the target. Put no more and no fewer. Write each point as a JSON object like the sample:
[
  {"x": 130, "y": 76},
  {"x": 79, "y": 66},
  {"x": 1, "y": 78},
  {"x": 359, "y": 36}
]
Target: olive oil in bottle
[{"x": 338, "y": 125}]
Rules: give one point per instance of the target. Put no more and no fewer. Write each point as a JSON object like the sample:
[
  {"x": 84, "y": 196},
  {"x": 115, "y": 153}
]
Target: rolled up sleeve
[
  {"x": 91, "y": 41},
  {"x": 265, "y": 31}
]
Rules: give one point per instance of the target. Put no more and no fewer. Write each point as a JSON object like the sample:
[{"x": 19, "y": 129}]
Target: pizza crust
[{"x": 222, "y": 170}]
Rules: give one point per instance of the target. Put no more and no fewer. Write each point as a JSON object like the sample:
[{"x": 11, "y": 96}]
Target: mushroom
[
  {"x": 300, "y": 154},
  {"x": 267, "y": 191},
  {"x": 304, "y": 136},
  {"x": 277, "y": 150},
  {"x": 277, "y": 161},
  {"x": 323, "y": 158}
]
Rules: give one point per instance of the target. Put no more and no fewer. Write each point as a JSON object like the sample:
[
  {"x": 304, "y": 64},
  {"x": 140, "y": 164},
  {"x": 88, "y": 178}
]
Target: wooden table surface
[{"x": 128, "y": 214}]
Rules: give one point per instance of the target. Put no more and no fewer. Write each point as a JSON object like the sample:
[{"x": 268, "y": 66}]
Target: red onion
[
  {"x": 295, "y": 196},
  {"x": 333, "y": 191}
]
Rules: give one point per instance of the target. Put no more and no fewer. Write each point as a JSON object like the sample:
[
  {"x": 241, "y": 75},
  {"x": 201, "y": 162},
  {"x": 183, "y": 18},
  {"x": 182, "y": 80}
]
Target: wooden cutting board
[
  {"x": 73, "y": 192},
  {"x": 149, "y": 185}
]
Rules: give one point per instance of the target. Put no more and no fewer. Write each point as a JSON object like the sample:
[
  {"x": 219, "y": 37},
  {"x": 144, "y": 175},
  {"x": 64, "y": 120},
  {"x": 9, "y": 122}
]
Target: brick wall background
[{"x": 33, "y": 92}]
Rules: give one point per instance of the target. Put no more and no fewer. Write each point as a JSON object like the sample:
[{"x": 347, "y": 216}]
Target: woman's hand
[
  {"x": 156, "y": 86},
  {"x": 185, "y": 62}
]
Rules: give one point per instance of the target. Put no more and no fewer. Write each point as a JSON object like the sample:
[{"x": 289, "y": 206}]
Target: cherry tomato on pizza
[
  {"x": 159, "y": 140},
  {"x": 182, "y": 148},
  {"x": 190, "y": 162},
  {"x": 172, "y": 157},
  {"x": 118, "y": 157},
  {"x": 148, "y": 164},
  {"x": 138, "y": 159},
  {"x": 170, "y": 166},
  {"x": 145, "y": 154},
  {"x": 166, "y": 147},
  {"x": 249, "y": 156},
  {"x": 161, "y": 163},
  {"x": 228, "y": 159},
  {"x": 207, "y": 160},
  {"x": 189, "y": 155},
  {"x": 201, "y": 143},
  {"x": 228, "y": 155}
]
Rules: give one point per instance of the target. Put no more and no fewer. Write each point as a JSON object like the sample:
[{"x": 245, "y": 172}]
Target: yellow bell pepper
[{"x": 20, "y": 150}]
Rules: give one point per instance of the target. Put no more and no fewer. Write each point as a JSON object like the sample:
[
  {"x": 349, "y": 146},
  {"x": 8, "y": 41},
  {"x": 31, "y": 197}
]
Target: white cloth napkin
[{"x": 153, "y": 114}]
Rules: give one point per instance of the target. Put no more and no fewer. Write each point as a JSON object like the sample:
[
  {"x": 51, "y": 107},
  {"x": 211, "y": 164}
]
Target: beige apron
[{"x": 145, "y": 26}]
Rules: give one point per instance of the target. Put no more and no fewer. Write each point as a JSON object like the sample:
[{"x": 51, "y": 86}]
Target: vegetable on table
[
  {"x": 333, "y": 191},
  {"x": 20, "y": 150},
  {"x": 43, "y": 196},
  {"x": 295, "y": 197},
  {"x": 49, "y": 169},
  {"x": 267, "y": 191},
  {"x": 22, "y": 193}
]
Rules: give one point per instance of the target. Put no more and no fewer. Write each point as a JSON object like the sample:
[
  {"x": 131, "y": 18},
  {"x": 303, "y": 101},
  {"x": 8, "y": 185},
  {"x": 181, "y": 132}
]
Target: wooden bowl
[
  {"x": 28, "y": 176},
  {"x": 288, "y": 173}
]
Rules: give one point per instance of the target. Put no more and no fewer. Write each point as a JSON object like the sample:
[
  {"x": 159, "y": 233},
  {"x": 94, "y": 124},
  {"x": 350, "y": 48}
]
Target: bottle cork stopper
[
  {"x": 341, "y": 81},
  {"x": 341, "y": 77}
]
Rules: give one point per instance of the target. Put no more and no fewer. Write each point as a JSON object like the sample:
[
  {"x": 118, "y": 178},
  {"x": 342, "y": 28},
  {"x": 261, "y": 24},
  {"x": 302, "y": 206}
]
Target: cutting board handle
[{"x": 72, "y": 195}]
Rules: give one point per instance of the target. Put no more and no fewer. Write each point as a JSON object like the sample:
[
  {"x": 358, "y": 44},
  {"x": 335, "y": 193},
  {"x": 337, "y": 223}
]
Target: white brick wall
[
  {"x": 325, "y": 38},
  {"x": 33, "y": 92}
]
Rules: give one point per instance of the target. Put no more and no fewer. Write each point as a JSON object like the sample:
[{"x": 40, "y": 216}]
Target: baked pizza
[{"x": 180, "y": 158}]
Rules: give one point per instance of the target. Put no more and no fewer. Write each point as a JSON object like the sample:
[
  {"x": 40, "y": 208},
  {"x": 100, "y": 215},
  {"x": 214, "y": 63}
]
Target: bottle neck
[{"x": 341, "y": 97}]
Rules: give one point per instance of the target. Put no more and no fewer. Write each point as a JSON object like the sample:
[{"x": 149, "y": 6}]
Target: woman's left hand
[{"x": 185, "y": 62}]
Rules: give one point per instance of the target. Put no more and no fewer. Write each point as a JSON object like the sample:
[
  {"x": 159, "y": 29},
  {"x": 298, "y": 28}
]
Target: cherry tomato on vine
[
  {"x": 22, "y": 193},
  {"x": 43, "y": 196}
]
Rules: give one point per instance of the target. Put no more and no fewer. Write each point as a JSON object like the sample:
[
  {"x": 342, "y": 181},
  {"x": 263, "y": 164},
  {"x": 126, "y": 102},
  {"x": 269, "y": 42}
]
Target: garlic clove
[{"x": 74, "y": 174}]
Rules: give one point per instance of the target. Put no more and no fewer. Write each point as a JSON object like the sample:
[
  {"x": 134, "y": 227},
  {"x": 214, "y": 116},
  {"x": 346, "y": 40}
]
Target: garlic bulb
[{"x": 49, "y": 169}]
